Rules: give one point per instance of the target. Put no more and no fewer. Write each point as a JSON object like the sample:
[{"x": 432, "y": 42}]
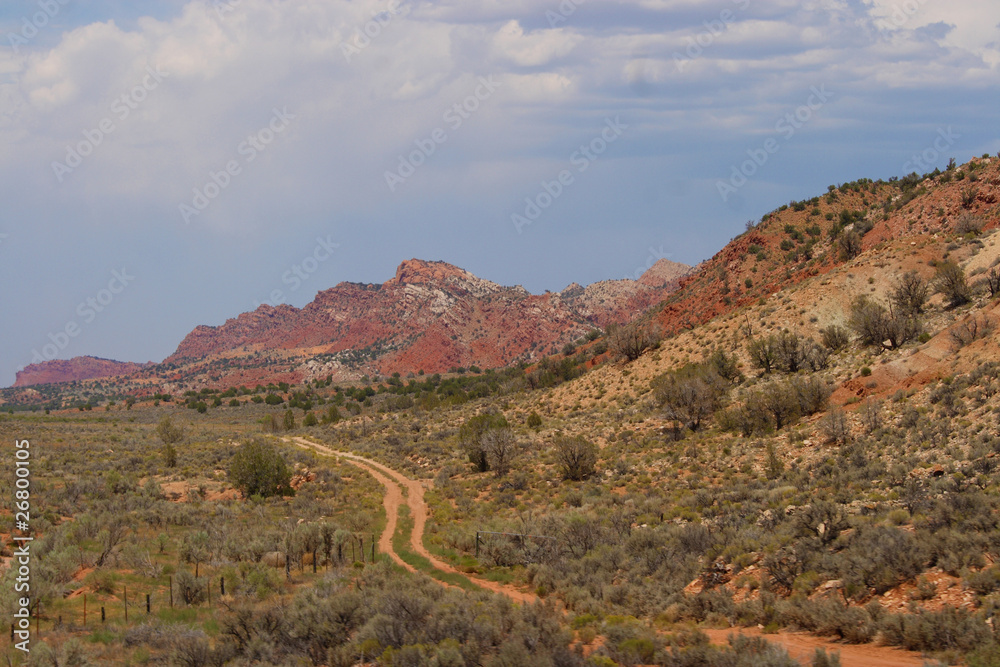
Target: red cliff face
[
  {"x": 78, "y": 368},
  {"x": 430, "y": 316}
]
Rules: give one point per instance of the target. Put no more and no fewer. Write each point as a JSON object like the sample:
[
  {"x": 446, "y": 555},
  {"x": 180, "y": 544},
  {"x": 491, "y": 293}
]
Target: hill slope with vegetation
[{"x": 803, "y": 437}]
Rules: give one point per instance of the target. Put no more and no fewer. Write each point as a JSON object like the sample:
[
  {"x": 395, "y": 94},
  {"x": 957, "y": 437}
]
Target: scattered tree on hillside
[
  {"x": 763, "y": 353},
  {"x": 791, "y": 353},
  {"x": 910, "y": 294},
  {"x": 577, "y": 457},
  {"x": 835, "y": 337},
  {"x": 878, "y": 326},
  {"x": 689, "y": 395},
  {"x": 835, "y": 426},
  {"x": 725, "y": 365},
  {"x": 950, "y": 281},
  {"x": 850, "y": 245},
  {"x": 787, "y": 352},
  {"x": 991, "y": 281},
  {"x": 332, "y": 415},
  {"x": 775, "y": 405},
  {"x": 500, "y": 446},
  {"x": 195, "y": 549},
  {"x": 778, "y": 399},
  {"x": 471, "y": 437},
  {"x": 969, "y": 223},
  {"x": 631, "y": 340}
]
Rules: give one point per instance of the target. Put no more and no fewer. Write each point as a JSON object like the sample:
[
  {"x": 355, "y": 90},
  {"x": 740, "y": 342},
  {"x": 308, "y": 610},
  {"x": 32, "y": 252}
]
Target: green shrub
[
  {"x": 936, "y": 631},
  {"x": 258, "y": 469}
]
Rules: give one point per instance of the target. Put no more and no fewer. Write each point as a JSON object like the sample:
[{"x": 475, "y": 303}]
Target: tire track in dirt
[
  {"x": 394, "y": 483},
  {"x": 799, "y": 645}
]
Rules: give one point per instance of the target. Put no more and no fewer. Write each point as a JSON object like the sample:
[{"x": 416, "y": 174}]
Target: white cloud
[
  {"x": 355, "y": 114},
  {"x": 533, "y": 49}
]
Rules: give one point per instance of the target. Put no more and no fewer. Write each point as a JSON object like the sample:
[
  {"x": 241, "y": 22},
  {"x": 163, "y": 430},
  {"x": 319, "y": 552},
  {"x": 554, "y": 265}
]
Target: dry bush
[
  {"x": 910, "y": 294},
  {"x": 849, "y": 244},
  {"x": 501, "y": 447},
  {"x": 871, "y": 415},
  {"x": 950, "y": 281},
  {"x": 577, "y": 457},
  {"x": 835, "y": 427},
  {"x": 969, "y": 223},
  {"x": 877, "y": 326},
  {"x": 628, "y": 342},
  {"x": 990, "y": 282},
  {"x": 971, "y": 329},
  {"x": 835, "y": 337},
  {"x": 690, "y": 395}
]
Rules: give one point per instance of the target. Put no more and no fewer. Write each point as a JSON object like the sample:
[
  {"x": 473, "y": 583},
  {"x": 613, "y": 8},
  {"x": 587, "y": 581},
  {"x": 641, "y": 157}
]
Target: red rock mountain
[
  {"x": 430, "y": 316},
  {"x": 78, "y": 368}
]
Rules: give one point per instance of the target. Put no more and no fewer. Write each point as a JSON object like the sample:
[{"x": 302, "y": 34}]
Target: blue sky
[{"x": 167, "y": 164}]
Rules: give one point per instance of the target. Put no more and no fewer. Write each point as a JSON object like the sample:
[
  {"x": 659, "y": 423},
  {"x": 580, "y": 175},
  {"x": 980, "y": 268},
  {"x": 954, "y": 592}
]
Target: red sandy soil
[{"x": 802, "y": 646}]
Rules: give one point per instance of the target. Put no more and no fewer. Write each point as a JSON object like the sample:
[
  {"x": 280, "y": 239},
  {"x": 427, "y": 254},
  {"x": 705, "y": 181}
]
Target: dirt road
[
  {"x": 800, "y": 646},
  {"x": 394, "y": 483}
]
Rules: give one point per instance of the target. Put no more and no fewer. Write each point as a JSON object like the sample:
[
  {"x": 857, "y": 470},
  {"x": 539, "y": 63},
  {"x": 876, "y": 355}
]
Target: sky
[{"x": 170, "y": 163}]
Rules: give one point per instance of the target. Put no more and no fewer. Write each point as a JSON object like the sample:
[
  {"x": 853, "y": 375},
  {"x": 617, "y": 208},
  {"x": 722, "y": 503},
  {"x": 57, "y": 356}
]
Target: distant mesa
[{"x": 74, "y": 370}]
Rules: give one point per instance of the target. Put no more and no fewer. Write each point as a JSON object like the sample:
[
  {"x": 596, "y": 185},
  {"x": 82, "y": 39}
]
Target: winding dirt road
[
  {"x": 799, "y": 645},
  {"x": 394, "y": 483}
]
